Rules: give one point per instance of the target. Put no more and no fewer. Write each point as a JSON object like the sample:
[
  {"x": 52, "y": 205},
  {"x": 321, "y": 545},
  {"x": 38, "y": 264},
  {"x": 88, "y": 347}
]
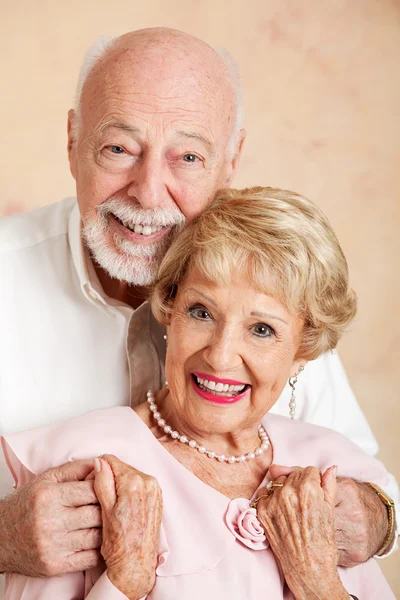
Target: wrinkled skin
[
  {"x": 299, "y": 525},
  {"x": 131, "y": 504},
  {"x": 52, "y": 524},
  {"x": 358, "y": 536}
]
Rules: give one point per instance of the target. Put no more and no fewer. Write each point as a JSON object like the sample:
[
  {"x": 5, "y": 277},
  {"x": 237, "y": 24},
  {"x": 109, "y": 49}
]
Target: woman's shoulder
[
  {"x": 81, "y": 437},
  {"x": 296, "y": 443}
]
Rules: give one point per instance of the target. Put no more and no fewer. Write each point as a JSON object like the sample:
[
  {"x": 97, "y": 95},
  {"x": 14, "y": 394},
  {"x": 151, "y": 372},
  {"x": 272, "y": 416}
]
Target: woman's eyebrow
[
  {"x": 267, "y": 316},
  {"x": 207, "y": 298},
  {"x": 255, "y": 313}
]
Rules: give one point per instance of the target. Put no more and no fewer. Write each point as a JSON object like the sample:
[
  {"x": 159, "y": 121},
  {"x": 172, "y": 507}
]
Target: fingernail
[
  {"x": 335, "y": 470},
  {"x": 97, "y": 465}
]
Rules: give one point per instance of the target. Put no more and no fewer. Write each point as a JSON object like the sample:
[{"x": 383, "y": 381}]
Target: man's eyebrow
[
  {"x": 193, "y": 135},
  {"x": 117, "y": 125}
]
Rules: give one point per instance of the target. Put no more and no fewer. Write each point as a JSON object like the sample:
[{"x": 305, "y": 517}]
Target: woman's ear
[
  {"x": 167, "y": 320},
  {"x": 298, "y": 367}
]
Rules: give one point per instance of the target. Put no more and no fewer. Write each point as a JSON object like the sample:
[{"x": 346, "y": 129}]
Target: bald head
[{"x": 163, "y": 61}]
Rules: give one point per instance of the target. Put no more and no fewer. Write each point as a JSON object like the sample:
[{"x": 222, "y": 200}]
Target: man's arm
[
  {"x": 327, "y": 399},
  {"x": 50, "y": 525}
]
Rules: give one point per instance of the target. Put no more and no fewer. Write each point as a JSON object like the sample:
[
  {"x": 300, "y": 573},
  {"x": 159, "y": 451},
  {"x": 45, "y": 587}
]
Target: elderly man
[{"x": 156, "y": 131}]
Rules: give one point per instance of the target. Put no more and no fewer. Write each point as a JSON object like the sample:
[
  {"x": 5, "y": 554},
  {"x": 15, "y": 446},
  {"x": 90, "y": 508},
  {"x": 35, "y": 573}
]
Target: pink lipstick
[
  {"x": 216, "y": 398},
  {"x": 201, "y": 375}
]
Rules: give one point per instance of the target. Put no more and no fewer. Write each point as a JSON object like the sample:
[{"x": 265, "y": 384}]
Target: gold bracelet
[{"x": 388, "y": 502}]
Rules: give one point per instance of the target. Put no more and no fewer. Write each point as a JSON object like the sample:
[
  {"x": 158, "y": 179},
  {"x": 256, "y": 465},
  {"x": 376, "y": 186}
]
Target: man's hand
[
  {"x": 51, "y": 525},
  {"x": 361, "y": 520}
]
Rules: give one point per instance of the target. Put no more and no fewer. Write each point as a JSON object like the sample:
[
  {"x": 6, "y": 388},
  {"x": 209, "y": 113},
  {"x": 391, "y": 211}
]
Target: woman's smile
[{"x": 214, "y": 389}]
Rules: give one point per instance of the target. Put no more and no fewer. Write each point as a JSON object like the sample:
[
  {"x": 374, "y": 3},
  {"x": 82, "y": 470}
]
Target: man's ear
[
  {"x": 72, "y": 132},
  {"x": 234, "y": 162}
]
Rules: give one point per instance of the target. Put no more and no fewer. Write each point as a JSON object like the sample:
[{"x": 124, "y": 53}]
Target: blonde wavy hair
[{"x": 285, "y": 247}]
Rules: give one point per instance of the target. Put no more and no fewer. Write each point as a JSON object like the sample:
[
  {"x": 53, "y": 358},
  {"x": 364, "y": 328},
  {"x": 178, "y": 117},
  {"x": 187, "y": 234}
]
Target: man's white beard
[{"x": 124, "y": 260}]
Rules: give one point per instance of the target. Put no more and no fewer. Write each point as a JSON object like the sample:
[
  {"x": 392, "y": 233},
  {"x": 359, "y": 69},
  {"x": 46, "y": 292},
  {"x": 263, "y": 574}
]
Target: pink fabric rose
[{"x": 242, "y": 521}]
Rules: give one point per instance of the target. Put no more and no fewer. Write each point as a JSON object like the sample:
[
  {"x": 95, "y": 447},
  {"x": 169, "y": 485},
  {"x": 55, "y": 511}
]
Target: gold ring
[
  {"x": 270, "y": 489},
  {"x": 273, "y": 484}
]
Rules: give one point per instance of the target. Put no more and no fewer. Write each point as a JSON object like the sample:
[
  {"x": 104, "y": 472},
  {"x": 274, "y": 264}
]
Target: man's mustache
[{"x": 131, "y": 214}]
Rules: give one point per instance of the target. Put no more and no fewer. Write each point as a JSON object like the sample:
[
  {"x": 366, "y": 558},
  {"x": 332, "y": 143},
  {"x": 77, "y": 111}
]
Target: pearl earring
[
  {"x": 165, "y": 337},
  {"x": 292, "y": 403}
]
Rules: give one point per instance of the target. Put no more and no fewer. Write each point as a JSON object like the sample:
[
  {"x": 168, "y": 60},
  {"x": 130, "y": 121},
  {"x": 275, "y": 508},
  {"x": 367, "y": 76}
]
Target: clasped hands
[
  {"x": 53, "y": 524},
  {"x": 314, "y": 522},
  {"x": 59, "y": 522},
  {"x": 360, "y": 518}
]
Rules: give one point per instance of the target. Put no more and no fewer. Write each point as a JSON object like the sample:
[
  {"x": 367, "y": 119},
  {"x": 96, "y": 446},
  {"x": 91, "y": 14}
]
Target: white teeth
[
  {"x": 137, "y": 228},
  {"x": 223, "y": 389}
]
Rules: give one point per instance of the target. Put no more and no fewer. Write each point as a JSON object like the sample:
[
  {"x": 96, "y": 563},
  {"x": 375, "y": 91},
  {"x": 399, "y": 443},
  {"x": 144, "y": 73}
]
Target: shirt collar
[{"x": 77, "y": 247}]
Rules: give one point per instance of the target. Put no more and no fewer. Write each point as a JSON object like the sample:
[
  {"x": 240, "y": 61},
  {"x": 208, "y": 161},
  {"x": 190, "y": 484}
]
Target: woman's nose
[
  {"x": 223, "y": 352},
  {"x": 148, "y": 185}
]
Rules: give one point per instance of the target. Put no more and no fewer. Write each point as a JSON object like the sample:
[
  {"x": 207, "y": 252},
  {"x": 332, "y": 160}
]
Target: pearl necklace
[{"x": 175, "y": 435}]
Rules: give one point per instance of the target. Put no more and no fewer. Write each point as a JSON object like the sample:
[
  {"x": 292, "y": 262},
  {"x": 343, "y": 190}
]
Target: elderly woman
[{"x": 249, "y": 292}]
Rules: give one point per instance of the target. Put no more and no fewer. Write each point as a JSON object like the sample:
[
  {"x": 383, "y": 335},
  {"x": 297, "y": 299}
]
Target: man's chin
[
  {"x": 122, "y": 260},
  {"x": 131, "y": 270}
]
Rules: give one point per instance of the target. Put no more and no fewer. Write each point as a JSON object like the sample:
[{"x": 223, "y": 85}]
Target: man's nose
[
  {"x": 223, "y": 352},
  {"x": 148, "y": 186}
]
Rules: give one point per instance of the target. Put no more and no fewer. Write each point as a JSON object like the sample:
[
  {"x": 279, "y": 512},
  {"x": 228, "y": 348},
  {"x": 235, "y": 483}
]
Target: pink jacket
[{"x": 211, "y": 546}]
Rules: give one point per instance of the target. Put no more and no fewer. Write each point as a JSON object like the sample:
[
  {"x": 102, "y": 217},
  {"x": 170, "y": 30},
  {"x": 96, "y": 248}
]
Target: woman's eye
[
  {"x": 190, "y": 158},
  {"x": 262, "y": 330},
  {"x": 199, "y": 312}
]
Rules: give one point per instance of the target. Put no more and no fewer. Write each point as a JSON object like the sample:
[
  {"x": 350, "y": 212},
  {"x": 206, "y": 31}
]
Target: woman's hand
[
  {"x": 298, "y": 523},
  {"x": 131, "y": 504}
]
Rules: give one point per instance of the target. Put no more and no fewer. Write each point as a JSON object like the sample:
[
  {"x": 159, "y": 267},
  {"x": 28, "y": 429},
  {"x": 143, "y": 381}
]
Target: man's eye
[
  {"x": 116, "y": 149},
  {"x": 199, "y": 312},
  {"x": 262, "y": 330},
  {"x": 190, "y": 158}
]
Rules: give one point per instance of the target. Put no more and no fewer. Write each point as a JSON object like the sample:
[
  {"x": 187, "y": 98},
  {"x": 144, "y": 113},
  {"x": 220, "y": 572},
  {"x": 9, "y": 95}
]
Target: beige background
[{"x": 322, "y": 98}]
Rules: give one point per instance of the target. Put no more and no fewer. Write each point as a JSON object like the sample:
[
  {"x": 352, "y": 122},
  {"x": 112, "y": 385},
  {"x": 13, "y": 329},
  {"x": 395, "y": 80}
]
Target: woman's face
[{"x": 230, "y": 353}]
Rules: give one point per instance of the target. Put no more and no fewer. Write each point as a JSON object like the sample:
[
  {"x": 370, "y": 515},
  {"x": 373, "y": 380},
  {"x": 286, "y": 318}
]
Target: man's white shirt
[{"x": 66, "y": 348}]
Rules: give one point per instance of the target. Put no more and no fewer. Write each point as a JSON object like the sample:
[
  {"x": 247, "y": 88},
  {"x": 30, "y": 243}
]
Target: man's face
[{"x": 151, "y": 152}]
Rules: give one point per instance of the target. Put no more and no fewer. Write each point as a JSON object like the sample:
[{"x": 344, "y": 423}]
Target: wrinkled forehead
[{"x": 165, "y": 83}]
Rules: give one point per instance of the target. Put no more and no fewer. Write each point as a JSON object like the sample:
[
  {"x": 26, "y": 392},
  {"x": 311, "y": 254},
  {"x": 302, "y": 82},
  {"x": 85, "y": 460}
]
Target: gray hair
[{"x": 105, "y": 43}]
